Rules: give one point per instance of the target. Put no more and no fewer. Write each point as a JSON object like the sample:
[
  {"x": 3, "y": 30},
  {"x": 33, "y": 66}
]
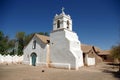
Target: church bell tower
[
  {"x": 65, "y": 47},
  {"x": 62, "y": 21}
]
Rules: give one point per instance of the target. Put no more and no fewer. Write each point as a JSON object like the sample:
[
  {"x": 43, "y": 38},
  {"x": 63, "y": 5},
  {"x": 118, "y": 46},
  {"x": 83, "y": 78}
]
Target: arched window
[
  {"x": 68, "y": 24},
  {"x": 34, "y": 44},
  {"x": 58, "y": 24}
]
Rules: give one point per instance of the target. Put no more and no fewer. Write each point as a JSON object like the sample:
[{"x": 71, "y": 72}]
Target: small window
[
  {"x": 34, "y": 44},
  {"x": 58, "y": 24},
  {"x": 48, "y": 41}
]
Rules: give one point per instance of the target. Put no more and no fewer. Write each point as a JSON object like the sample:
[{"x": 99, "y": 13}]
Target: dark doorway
[{"x": 84, "y": 61}]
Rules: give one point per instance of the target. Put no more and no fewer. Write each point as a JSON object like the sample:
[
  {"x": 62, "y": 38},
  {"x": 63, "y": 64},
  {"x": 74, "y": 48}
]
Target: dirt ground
[{"x": 26, "y": 72}]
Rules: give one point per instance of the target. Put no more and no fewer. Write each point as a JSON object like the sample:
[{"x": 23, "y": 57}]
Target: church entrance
[{"x": 33, "y": 59}]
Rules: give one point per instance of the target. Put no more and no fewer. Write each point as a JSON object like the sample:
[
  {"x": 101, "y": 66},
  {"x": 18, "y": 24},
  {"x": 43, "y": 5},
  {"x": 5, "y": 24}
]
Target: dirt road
[{"x": 26, "y": 72}]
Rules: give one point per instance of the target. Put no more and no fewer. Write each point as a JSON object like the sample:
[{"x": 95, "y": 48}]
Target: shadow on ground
[
  {"x": 115, "y": 74},
  {"x": 112, "y": 70}
]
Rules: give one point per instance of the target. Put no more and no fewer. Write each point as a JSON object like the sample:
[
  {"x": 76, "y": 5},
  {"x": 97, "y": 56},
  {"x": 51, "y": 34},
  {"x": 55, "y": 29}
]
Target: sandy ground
[{"x": 26, "y": 72}]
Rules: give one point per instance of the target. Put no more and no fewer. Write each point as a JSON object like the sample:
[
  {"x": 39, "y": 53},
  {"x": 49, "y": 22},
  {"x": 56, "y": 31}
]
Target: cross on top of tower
[{"x": 63, "y": 10}]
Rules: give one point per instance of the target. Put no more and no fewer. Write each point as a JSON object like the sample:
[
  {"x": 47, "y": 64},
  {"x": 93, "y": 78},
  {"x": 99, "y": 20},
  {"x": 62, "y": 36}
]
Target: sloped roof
[
  {"x": 43, "y": 38},
  {"x": 87, "y": 48},
  {"x": 105, "y": 52},
  {"x": 97, "y": 49}
]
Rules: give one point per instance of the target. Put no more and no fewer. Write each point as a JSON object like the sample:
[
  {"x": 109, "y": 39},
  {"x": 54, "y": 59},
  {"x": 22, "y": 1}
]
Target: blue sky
[{"x": 97, "y": 22}]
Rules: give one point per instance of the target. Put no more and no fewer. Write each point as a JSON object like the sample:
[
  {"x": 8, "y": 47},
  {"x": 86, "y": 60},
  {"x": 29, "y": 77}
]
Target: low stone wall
[{"x": 11, "y": 59}]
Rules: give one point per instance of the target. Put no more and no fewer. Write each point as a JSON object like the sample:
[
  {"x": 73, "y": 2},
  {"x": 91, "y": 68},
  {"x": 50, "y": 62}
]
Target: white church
[{"x": 61, "y": 50}]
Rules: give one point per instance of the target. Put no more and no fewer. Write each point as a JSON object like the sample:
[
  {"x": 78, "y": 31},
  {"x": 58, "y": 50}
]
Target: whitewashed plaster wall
[
  {"x": 65, "y": 49},
  {"x": 11, "y": 59},
  {"x": 41, "y": 51},
  {"x": 89, "y": 61}
]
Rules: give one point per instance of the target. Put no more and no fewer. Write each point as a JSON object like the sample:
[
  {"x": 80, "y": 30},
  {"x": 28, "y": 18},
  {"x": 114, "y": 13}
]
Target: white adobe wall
[
  {"x": 75, "y": 47},
  {"x": 65, "y": 49},
  {"x": 41, "y": 50},
  {"x": 11, "y": 59},
  {"x": 90, "y": 61}
]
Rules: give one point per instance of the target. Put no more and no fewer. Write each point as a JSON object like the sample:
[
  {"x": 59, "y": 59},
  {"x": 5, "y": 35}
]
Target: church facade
[
  {"x": 35, "y": 53},
  {"x": 61, "y": 50}
]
